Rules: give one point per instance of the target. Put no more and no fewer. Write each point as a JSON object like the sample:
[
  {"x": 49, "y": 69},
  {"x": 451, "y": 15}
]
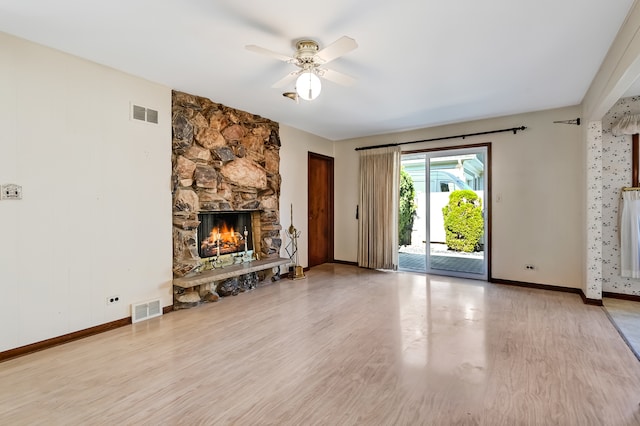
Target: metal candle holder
[
  {"x": 246, "y": 257},
  {"x": 217, "y": 263}
]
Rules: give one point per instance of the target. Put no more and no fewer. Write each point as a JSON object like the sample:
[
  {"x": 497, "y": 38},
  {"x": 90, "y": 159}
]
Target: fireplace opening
[{"x": 224, "y": 233}]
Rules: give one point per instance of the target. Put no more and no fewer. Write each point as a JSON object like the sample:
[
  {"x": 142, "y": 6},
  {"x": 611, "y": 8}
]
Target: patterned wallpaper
[
  {"x": 616, "y": 173},
  {"x": 594, "y": 211}
]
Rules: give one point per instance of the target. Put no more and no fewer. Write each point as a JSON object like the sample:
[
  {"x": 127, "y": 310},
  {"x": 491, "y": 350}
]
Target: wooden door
[{"x": 320, "y": 207}]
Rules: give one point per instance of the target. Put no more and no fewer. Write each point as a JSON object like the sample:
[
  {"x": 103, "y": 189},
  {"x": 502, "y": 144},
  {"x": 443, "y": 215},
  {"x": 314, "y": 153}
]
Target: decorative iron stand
[{"x": 296, "y": 272}]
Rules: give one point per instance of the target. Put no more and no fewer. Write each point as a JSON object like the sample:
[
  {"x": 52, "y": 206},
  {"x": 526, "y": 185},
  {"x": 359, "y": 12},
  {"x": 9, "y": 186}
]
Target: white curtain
[
  {"x": 626, "y": 125},
  {"x": 378, "y": 208},
  {"x": 630, "y": 234}
]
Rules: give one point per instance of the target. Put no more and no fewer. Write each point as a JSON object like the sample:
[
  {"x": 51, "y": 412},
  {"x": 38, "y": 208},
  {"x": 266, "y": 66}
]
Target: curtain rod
[{"x": 513, "y": 129}]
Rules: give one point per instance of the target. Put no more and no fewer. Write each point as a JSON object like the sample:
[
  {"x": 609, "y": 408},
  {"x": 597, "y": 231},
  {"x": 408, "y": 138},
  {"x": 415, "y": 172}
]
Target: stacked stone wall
[{"x": 223, "y": 160}]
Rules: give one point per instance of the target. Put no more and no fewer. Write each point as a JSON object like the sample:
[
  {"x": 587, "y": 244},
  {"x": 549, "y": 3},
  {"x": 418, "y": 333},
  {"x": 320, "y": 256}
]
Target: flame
[{"x": 227, "y": 235}]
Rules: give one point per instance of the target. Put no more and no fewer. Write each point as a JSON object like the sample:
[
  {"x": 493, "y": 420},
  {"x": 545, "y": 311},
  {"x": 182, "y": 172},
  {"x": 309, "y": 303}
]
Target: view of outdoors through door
[{"x": 447, "y": 236}]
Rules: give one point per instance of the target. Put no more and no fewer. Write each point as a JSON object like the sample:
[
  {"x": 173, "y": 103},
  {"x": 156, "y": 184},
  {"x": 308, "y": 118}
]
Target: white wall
[
  {"x": 346, "y": 196},
  {"x": 95, "y": 220},
  {"x": 294, "y": 154},
  {"x": 537, "y": 174}
]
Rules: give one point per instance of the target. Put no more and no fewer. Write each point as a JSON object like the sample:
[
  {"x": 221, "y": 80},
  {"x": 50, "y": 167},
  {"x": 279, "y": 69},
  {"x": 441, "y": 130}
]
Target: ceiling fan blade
[
  {"x": 336, "y": 77},
  {"x": 271, "y": 53},
  {"x": 286, "y": 79},
  {"x": 336, "y": 49}
]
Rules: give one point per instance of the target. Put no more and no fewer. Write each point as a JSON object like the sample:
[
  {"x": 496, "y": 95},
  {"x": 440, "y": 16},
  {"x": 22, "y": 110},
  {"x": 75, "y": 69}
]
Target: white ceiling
[
  {"x": 419, "y": 63},
  {"x": 634, "y": 90}
]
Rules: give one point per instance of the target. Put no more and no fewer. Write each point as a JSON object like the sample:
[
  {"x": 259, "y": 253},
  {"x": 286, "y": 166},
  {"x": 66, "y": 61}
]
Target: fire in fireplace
[{"x": 224, "y": 233}]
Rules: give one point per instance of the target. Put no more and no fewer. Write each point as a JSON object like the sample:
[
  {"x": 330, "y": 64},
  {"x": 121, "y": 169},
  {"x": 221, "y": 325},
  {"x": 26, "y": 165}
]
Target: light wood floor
[{"x": 345, "y": 346}]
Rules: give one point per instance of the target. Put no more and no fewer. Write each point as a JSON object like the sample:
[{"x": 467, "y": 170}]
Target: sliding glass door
[{"x": 448, "y": 233}]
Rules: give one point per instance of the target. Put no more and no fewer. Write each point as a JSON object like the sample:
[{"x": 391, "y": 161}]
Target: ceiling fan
[{"x": 310, "y": 61}]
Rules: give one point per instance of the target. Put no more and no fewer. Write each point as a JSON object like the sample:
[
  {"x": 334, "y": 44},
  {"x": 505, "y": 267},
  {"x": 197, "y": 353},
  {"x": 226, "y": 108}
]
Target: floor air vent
[{"x": 144, "y": 311}]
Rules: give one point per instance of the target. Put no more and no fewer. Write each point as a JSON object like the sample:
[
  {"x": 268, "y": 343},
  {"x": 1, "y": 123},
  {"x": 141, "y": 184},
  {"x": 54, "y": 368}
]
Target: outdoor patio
[{"x": 412, "y": 258}]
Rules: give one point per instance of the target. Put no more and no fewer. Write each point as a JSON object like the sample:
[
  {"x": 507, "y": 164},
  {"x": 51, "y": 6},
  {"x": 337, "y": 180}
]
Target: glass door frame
[{"x": 485, "y": 149}]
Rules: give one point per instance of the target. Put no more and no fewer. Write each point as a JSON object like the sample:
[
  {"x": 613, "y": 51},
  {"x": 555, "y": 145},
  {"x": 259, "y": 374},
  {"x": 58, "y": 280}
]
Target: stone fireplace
[
  {"x": 224, "y": 233},
  {"x": 225, "y": 175}
]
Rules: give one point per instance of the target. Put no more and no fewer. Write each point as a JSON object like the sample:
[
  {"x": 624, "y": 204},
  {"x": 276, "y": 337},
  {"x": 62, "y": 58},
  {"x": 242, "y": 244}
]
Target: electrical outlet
[
  {"x": 113, "y": 300},
  {"x": 10, "y": 192},
  {"x": 529, "y": 267}
]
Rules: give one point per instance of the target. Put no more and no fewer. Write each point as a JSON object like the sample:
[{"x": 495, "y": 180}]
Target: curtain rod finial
[{"x": 575, "y": 121}]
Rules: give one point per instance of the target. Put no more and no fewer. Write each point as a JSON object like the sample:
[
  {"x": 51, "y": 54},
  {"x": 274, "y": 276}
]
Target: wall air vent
[
  {"x": 144, "y": 114},
  {"x": 152, "y": 116},
  {"x": 146, "y": 310},
  {"x": 139, "y": 113}
]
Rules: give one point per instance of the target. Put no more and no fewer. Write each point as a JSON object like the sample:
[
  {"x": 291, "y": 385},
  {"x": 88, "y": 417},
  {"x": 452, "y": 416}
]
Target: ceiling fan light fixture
[{"x": 308, "y": 85}]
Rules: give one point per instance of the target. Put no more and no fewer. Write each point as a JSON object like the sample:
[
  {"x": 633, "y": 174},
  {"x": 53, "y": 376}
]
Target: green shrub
[
  {"x": 408, "y": 208},
  {"x": 463, "y": 222}
]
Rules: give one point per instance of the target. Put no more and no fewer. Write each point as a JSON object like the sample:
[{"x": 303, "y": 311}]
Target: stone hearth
[{"x": 224, "y": 160}]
